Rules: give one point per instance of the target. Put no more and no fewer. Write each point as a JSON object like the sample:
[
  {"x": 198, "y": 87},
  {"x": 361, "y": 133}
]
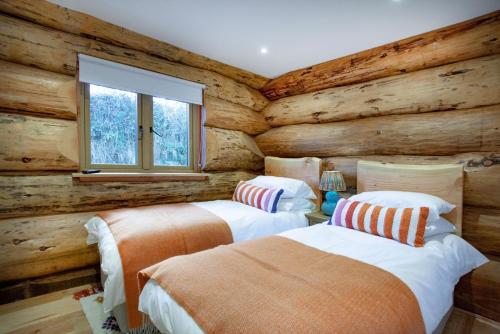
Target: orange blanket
[
  {"x": 148, "y": 235},
  {"x": 276, "y": 285}
]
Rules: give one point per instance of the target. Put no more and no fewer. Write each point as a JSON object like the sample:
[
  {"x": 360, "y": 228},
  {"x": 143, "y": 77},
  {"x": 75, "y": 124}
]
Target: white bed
[
  {"x": 245, "y": 222},
  {"x": 431, "y": 272}
]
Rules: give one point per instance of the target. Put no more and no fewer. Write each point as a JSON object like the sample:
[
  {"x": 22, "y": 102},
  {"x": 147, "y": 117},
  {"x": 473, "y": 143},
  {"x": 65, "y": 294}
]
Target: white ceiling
[{"x": 297, "y": 33}]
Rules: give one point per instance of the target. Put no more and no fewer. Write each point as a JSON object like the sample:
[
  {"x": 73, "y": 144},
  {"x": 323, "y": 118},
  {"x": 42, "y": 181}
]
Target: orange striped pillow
[{"x": 407, "y": 225}]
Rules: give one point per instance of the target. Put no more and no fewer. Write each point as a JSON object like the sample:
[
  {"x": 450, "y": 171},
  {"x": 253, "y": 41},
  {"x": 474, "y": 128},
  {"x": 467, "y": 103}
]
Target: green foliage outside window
[
  {"x": 171, "y": 137},
  {"x": 113, "y": 126},
  {"x": 114, "y": 129}
]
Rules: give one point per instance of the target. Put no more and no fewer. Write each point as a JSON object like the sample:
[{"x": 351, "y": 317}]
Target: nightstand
[{"x": 316, "y": 217}]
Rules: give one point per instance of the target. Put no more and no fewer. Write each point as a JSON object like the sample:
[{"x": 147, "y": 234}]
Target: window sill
[{"x": 138, "y": 177}]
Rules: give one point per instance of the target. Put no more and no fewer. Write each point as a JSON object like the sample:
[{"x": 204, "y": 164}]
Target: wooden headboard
[
  {"x": 444, "y": 181},
  {"x": 306, "y": 169}
]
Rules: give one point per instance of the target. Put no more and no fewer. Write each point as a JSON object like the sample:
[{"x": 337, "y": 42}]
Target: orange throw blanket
[
  {"x": 148, "y": 235},
  {"x": 277, "y": 285}
]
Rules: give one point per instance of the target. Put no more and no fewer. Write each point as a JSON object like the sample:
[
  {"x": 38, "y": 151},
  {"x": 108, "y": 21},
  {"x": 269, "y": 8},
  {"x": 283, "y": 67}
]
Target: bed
[
  {"x": 245, "y": 222},
  {"x": 430, "y": 278}
]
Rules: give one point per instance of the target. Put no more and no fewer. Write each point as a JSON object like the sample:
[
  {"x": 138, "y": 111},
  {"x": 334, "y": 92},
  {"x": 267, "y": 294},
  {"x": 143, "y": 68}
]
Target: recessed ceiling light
[{"x": 263, "y": 50}]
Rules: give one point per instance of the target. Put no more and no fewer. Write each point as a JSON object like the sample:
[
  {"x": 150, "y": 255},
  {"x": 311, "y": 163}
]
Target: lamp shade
[{"x": 332, "y": 180}]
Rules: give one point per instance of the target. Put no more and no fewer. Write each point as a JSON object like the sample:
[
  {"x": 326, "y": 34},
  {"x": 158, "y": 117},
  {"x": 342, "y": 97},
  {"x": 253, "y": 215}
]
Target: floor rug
[{"x": 100, "y": 322}]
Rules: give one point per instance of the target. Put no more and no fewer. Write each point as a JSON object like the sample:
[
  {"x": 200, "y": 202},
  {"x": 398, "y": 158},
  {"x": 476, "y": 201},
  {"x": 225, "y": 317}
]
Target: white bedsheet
[
  {"x": 431, "y": 272},
  {"x": 245, "y": 222}
]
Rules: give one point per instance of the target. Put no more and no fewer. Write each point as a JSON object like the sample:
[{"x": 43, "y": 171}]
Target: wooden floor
[
  {"x": 58, "y": 312},
  {"x": 52, "y": 313},
  {"x": 463, "y": 322}
]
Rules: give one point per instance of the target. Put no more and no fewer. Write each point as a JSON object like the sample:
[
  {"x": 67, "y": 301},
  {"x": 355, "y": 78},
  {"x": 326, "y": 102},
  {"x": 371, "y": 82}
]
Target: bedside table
[{"x": 316, "y": 217}]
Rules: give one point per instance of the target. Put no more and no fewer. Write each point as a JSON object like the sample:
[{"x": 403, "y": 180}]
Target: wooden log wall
[
  {"x": 42, "y": 208},
  {"x": 35, "y": 143},
  {"x": 467, "y": 40},
  {"x": 462, "y": 85},
  {"x": 30, "y": 44},
  {"x": 77, "y": 23},
  {"x": 436, "y": 133},
  {"x": 55, "y": 93},
  {"x": 34, "y": 252},
  {"x": 227, "y": 149},
  {"x": 428, "y": 99}
]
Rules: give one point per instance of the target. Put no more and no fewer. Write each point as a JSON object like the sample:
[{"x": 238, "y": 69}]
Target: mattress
[
  {"x": 431, "y": 272},
  {"x": 245, "y": 222}
]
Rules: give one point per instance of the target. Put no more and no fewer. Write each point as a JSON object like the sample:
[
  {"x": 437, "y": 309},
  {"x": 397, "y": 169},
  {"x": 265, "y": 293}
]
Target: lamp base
[{"x": 328, "y": 206}]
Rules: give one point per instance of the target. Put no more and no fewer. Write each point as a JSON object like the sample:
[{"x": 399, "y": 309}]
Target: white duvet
[
  {"x": 245, "y": 222},
  {"x": 431, "y": 272}
]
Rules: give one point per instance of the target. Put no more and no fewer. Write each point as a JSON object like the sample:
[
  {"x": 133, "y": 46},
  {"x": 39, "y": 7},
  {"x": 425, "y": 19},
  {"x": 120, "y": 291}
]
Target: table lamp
[{"x": 331, "y": 182}]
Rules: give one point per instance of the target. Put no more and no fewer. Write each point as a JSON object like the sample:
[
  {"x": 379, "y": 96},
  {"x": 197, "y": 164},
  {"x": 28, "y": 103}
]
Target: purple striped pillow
[{"x": 265, "y": 199}]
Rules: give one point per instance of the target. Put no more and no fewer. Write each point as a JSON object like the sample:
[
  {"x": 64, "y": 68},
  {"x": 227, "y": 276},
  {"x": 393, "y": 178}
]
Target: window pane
[
  {"x": 171, "y": 132},
  {"x": 113, "y": 126}
]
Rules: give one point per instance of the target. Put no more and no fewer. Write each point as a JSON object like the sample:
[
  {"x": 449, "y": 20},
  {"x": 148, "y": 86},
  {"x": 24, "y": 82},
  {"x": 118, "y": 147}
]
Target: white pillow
[
  {"x": 295, "y": 204},
  {"x": 438, "y": 226},
  {"x": 292, "y": 187},
  {"x": 406, "y": 199},
  {"x": 460, "y": 256}
]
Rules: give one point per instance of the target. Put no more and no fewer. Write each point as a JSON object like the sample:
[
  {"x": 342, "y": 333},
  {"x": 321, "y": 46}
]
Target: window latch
[
  {"x": 141, "y": 132},
  {"x": 151, "y": 130}
]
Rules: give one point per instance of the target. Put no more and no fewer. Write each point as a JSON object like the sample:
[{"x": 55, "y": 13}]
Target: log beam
[
  {"x": 38, "y": 246},
  {"x": 33, "y": 143},
  {"x": 24, "y": 196},
  {"x": 10, "y": 292},
  {"x": 463, "y": 85},
  {"x": 231, "y": 116},
  {"x": 481, "y": 179},
  {"x": 437, "y": 133},
  {"x": 481, "y": 227},
  {"x": 479, "y": 291},
  {"x": 33, "y": 90},
  {"x": 231, "y": 150},
  {"x": 60, "y": 18},
  {"x": 466, "y": 40},
  {"x": 33, "y": 45}
]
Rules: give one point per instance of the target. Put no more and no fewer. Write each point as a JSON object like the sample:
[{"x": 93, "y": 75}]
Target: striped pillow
[
  {"x": 407, "y": 225},
  {"x": 262, "y": 198}
]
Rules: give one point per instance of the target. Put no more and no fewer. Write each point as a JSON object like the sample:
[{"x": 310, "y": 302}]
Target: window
[
  {"x": 128, "y": 131},
  {"x": 170, "y": 132},
  {"x": 134, "y": 120}
]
